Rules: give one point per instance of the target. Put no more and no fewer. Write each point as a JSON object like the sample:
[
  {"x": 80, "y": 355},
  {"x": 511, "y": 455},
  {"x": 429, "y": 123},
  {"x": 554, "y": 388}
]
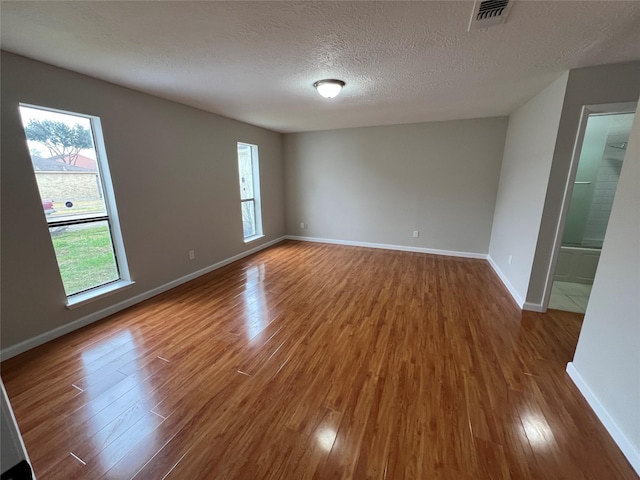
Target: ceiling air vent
[{"x": 487, "y": 13}]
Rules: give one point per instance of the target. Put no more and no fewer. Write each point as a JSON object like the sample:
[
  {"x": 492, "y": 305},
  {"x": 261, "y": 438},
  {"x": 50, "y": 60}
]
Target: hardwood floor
[{"x": 311, "y": 361}]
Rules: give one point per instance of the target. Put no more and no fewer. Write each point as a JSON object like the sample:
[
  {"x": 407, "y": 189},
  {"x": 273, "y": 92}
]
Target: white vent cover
[{"x": 487, "y": 13}]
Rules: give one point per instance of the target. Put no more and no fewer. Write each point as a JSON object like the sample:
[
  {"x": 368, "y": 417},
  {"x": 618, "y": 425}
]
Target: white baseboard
[
  {"x": 385, "y": 246},
  {"x": 628, "y": 448},
  {"x": 21, "y": 347},
  {"x": 506, "y": 282},
  {"x": 533, "y": 307}
]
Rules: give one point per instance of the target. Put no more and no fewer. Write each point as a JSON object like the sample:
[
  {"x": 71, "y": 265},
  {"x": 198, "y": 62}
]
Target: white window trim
[
  {"x": 255, "y": 171},
  {"x": 112, "y": 210},
  {"x": 96, "y": 293},
  {"x": 253, "y": 238},
  {"x": 83, "y": 298}
]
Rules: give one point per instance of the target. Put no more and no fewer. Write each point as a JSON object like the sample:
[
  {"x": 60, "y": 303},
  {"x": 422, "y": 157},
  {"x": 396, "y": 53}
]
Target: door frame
[{"x": 587, "y": 110}]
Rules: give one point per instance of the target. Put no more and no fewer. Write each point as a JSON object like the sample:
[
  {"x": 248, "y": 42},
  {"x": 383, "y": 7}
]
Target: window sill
[
  {"x": 83, "y": 298},
  {"x": 251, "y": 239}
]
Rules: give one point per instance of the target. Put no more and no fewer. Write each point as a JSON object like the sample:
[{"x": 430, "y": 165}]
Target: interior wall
[
  {"x": 379, "y": 184},
  {"x": 175, "y": 176},
  {"x": 616, "y": 83},
  {"x": 607, "y": 358},
  {"x": 528, "y": 152},
  {"x": 12, "y": 449}
]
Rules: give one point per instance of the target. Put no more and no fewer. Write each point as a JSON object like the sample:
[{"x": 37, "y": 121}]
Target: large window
[
  {"x": 69, "y": 162},
  {"x": 249, "y": 191}
]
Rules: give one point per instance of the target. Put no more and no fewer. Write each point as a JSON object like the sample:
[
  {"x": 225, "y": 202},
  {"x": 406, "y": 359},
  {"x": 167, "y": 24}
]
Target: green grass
[{"x": 85, "y": 257}]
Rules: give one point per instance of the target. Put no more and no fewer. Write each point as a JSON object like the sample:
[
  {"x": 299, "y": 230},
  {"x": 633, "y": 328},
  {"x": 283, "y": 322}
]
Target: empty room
[{"x": 312, "y": 240}]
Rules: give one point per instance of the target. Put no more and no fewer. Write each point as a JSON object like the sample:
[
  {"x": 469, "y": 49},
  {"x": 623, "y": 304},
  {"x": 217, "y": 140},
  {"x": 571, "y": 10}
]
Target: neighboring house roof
[{"x": 55, "y": 164}]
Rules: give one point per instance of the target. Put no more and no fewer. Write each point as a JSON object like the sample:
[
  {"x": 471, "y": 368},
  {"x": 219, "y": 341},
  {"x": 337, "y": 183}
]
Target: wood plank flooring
[{"x": 311, "y": 361}]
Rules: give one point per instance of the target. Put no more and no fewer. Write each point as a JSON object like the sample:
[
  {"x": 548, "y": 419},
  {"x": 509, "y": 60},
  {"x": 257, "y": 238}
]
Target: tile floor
[{"x": 569, "y": 297}]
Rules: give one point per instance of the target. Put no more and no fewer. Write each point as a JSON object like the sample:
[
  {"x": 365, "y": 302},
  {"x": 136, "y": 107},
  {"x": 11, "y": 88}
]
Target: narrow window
[
  {"x": 249, "y": 191},
  {"x": 70, "y": 165}
]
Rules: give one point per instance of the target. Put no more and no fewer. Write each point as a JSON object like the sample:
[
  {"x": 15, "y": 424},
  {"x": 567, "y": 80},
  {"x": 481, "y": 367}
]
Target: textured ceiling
[{"x": 256, "y": 61}]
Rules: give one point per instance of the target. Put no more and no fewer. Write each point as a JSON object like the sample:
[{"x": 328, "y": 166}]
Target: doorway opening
[{"x": 591, "y": 190}]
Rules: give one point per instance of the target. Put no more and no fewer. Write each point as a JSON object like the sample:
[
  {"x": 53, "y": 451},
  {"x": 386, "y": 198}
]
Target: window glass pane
[
  {"x": 246, "y": 172},
  {"x": 65, "y": 163},
  {"x": 85, "y": 255},
  {"x": 249, "y": 218}
]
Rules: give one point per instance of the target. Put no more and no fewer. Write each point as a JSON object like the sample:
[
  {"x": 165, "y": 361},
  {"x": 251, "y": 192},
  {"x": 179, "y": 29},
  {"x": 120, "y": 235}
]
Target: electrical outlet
[
  {"x": 416, "y": 234},
  {"x": 510, "y": 259},
  {"x": 302, "y": 225},
  {"x": 192, "y": 254}
]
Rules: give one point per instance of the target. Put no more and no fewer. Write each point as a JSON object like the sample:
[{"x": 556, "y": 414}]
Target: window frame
[
  {"x": 110, "y": 216},
  {"x": 256, "y": 199}
]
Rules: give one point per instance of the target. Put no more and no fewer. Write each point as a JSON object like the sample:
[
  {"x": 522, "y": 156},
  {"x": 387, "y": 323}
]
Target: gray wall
[
  {"x": 608, "y": 353},
  {"x": 524, "y": 175},
  {"x": 379, "y": 184},
  {"x": 174, "y": 170},
  {"x": 605, "y": 84}
]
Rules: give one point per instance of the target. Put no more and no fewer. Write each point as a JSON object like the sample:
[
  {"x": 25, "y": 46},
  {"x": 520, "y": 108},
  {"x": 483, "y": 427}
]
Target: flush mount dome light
[{"x": 329, "y": 88}]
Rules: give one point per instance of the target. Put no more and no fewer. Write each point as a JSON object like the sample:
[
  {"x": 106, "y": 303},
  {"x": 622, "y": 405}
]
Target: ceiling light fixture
[{"x": 329, "y": 88}]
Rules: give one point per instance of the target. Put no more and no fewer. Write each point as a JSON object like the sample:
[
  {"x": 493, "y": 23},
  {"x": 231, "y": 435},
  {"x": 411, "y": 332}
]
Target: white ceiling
[{"x": 403, "y": 62}]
